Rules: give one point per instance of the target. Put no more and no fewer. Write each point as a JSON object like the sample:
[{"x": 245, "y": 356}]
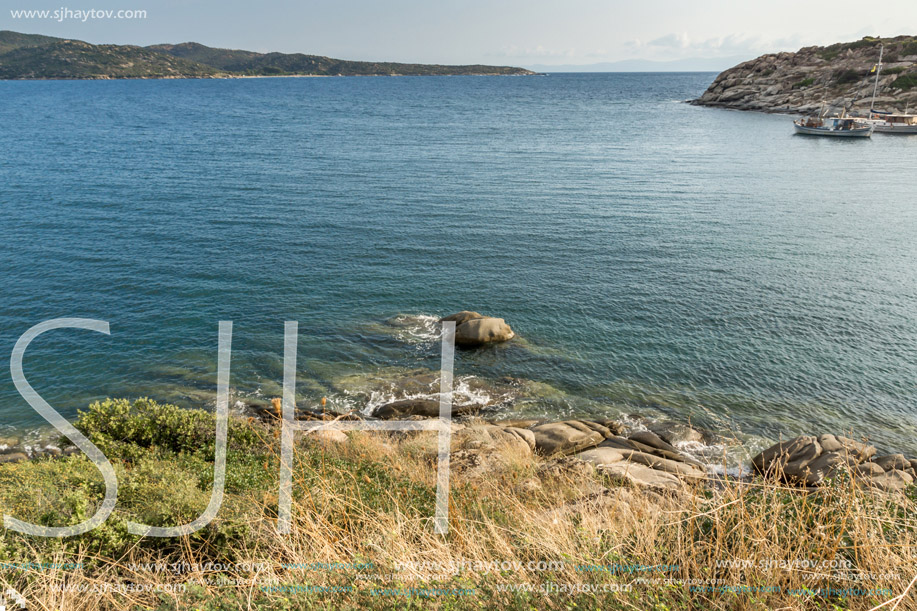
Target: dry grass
[{"x": 370, "y": 502}]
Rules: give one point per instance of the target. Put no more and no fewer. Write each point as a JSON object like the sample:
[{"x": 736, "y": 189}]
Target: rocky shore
[
  {"x": 656, "y": 458},
  {"x": 839, "y": 75},
  {"x": 653, "y": 455},
  {"x": 661, "y": 456}
]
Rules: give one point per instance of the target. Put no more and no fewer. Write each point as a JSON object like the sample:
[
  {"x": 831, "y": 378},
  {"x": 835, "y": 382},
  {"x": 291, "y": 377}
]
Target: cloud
[
  {"x": 671, "y": 41},
  {"x": 682, "y": 45}
]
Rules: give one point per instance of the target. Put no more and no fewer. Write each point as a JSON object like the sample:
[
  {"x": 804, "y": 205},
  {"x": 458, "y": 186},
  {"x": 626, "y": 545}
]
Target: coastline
[
  {"x": 255, "y": 76},
  {"x": 570, "y": 503},
  {"x": 722, "y": 445}
]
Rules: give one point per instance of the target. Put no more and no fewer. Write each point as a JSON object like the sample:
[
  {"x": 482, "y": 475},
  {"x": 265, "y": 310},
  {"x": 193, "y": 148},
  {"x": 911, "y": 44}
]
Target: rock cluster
[
  {"x": 644, "y": 459},
  {"x": 839, "y": 75},
  {"x": 810, "y": 461}
]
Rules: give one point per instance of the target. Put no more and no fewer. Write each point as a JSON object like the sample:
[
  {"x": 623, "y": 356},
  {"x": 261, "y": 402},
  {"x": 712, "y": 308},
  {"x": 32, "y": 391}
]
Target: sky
[{"x": 511, "y": 32}]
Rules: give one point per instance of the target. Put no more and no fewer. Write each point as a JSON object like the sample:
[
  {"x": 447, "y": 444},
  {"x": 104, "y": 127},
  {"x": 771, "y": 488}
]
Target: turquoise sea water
[{"x": 653, "y": 257}]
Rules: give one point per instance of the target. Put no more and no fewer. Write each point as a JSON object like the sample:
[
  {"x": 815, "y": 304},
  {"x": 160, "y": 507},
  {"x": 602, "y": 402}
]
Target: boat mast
[{"x": 875, "y": 88}]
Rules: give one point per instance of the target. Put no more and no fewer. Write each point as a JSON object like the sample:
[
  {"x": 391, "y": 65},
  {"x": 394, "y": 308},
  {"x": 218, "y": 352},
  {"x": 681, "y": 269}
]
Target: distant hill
[
  {"x": 839, "y": 74},
  {"x": 267, "y": 64},
  {"x": 74, "y": 59},
  {"x": 30, "y": 56}
]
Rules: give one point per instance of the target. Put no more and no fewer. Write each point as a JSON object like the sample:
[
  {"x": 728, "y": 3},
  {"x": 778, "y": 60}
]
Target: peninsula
[
  {"x": 31, "y": 56},
  {"x": 840, "y": 76}
]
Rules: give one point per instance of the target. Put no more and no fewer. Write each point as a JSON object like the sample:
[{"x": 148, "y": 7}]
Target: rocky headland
[{"x": 839, "y": 75}]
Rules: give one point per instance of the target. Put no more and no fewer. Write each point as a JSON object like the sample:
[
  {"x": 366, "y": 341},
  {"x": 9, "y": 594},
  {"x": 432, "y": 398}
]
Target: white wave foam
[{"x": 416, "y": 328}]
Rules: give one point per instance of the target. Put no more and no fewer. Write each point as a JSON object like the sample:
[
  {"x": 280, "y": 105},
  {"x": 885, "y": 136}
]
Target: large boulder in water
[
  {"x": 473, "y": 329},
  {"x": 461, "y": 317}
]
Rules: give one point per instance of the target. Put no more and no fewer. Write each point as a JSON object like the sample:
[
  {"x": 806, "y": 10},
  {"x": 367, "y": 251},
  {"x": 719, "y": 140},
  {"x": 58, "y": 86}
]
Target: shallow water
[{"x": 653, "y": 257}]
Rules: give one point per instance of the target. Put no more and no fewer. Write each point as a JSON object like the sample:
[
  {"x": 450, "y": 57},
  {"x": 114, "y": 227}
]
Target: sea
[{"x": 658, "y": 261}]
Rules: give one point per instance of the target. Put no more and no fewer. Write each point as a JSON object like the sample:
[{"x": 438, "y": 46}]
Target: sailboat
[{"x": 886, "y": 122}]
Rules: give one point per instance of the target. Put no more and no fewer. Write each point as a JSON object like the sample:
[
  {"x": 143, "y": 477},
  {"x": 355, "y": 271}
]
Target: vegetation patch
[
  {"x": 905, "y": 82},
  {"x": 366, "y": 505},
  {"x": 842, "y": 77}
]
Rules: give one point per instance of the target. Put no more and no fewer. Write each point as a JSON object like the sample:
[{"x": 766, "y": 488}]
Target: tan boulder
[
  {"x": 565, "y": 437},
  {"x": 868, "y": 469},
  {"x": 892, "y": 462},
  {"x": 827, "y": 465},
  {"x": 788, "y": 457},
  {"x": 642, "y": 476},
  {"x": 675, "y": 433},
  {"x": 461, "y": 317},
  {"x": 861, "y": 451},
  {"x": 891, "y": 481},
  {"x": 633, "y": 444},
  {"x": 481, "y": 331},
  {"x": 653, "y": 440},
  {"x": 490, "y": 437},
  {"x": 601, "y": 456},
  {"x": 682, "y": 470},
  {"x": 329, "y": 436}
]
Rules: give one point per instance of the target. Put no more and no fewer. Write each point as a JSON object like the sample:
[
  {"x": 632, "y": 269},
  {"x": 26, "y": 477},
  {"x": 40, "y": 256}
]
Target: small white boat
[{"x": 839, "y": 127}]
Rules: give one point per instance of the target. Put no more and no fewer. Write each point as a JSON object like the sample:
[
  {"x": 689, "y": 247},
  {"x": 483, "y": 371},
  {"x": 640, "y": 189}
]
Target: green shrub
[
  {"x": 895, "y": 70},
  {"x": 905, "y": 82},
  {"x": 847, "y": 76},
  {"x": 909, "y": 48},
  {"x": 129, "y": 430},
  {"x": 806, "y": 82},
  {"x": 829, "y": 53},
  {"x": 866, "y": 41}
]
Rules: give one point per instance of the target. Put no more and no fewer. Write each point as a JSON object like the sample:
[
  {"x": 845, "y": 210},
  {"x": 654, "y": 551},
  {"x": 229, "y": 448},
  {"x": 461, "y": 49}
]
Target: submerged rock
[
  {"x": 676, "y": 433},
  {"x": 425, "y": 408}
]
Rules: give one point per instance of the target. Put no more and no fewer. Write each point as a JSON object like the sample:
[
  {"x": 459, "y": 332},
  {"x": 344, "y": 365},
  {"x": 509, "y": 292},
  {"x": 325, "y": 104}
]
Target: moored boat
[
  {"x": 886, "y": 122},
  {"x": 839, "y": 127},
  {"x": 895, "y": 124}
]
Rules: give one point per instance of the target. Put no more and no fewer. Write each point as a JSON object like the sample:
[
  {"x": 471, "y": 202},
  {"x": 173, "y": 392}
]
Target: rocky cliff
[{"x": 840, "y": 75}]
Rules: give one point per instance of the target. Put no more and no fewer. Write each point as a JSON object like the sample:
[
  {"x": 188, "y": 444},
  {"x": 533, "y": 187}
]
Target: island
[
  {"x": 839, "y": 76},
  {"x": 32, "y": 56}
]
